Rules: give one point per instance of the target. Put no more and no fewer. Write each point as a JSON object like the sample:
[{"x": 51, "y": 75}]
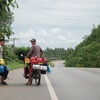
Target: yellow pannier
[
  {"x": 2, "y": 62},
  {"x": 27, "y": 60}
]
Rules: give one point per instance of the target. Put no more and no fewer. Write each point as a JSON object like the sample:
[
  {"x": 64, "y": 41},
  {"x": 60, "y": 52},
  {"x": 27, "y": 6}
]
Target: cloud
[
  {"x": 55, "y": 23},
  {"x": 55, "y": 30},
  {"x": 61, "y": 38},
  {"x": 43, "y": 33},
  {"x": 57, "y": 12},
  {"x": 52, "y": 38}
]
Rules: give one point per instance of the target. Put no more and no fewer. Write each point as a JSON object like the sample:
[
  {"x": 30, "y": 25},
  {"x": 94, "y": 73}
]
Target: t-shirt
[
  {"x": 35, "y": 51},
  {"x": 1, "y": 50}
]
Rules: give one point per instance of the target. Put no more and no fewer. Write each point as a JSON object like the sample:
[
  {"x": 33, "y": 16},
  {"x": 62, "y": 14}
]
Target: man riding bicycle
[{"x": 35, "y": 51}]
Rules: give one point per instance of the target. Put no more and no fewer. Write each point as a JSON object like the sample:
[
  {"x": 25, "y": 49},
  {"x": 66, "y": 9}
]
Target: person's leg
[
  {"x": 2, "y": 81},
  {"x": 4, "y": 76},
  {"x": 6, "y": 71},
  {"x": 29, "y": 77}
]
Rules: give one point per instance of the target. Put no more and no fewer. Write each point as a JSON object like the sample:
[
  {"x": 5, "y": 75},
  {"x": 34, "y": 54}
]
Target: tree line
[
  {"x": 87, "y": 53},
  {"x": 19, "y": 53}
]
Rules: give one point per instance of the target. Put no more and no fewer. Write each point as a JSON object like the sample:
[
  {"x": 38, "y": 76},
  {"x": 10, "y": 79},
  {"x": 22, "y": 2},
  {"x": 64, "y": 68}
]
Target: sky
[{"x": 54, "y": 23}]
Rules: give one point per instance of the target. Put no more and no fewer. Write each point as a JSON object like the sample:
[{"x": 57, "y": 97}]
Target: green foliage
[
  {"x": 87, "y": 53},
  {"x": 13, "y": 65},
  {"x": 21, "y": 52},
  {"x": 5, "y": 24},
  {"x": 11, "y": 58},
  {"x": 6, "y": 17},
  {"x": 57, "y": 53},
  {"x": 9, "y": 55}
]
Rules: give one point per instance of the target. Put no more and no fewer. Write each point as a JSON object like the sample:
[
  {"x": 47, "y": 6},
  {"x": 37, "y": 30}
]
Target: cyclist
[
  {"x": 5, "y": 72},
  {"x": 35, "y": 51}
]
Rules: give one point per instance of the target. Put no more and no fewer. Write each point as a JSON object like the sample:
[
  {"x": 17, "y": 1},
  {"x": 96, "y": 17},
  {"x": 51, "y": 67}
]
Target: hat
[{"x": 33, "y": 40}]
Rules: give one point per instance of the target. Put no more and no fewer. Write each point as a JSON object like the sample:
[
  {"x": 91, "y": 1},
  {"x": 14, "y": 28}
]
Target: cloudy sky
[{"x": 55, "y": 23}]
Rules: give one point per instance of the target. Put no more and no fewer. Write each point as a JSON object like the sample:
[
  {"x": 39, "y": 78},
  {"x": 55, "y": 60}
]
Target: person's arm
[
  {"x": 41, "y": 52},
  {"x": 1, "y": 50},
  {"x": 30, "y": 52}
]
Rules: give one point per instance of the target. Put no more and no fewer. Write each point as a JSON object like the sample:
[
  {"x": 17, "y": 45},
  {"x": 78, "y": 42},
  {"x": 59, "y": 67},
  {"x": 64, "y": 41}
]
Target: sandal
[
  {"x": 4, "y": 83},
  {"x": 28, "y": 83}
]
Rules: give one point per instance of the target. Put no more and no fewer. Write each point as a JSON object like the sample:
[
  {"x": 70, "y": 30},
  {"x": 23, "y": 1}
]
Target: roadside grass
[
  {"x": 14, "y": 65},
  {"x": 52, "y": 63}
]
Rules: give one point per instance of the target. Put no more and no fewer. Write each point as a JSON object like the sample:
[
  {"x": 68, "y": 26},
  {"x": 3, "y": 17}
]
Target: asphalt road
[{"x": 61, "y": 84}]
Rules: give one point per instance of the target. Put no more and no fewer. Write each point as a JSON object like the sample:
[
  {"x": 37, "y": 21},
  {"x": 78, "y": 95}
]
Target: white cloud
[
  {"x": 55, "y": 23},
  {"x": 55, "y": 30},
  {"x": 61, "y": 38},
  {"x": 43, "y": 33},
  {"x": 47, "y": 38}
]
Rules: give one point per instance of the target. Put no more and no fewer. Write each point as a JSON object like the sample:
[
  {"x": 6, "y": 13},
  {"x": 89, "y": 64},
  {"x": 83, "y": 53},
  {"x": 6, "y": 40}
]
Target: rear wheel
[
  {"x": 37, "y": 77},
  {"x": 31, "y": 80}
]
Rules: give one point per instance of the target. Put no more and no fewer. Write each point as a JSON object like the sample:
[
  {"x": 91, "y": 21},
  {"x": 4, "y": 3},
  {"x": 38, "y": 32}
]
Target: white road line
[{"x": 50, "y": 88}]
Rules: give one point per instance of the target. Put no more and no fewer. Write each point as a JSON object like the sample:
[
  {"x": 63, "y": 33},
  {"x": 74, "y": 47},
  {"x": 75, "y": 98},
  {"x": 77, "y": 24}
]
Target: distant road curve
[{"x": 59, "y": 63}]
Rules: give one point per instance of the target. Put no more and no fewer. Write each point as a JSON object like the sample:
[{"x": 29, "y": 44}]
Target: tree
[
  {"x": 6, "y": 17},
  {"x": 85, "y": 37},
  {"x": 87, "y": 53}
]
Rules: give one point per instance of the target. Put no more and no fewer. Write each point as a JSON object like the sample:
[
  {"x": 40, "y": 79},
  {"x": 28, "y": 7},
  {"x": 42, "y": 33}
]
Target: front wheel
[{"x": 37, "y": 77}]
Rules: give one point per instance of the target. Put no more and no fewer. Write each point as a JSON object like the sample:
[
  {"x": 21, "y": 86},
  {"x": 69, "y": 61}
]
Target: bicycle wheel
[
  {"x": 33, "y": 76},
  {"x": 37, "y": 77},
  {"x": 31, "y": 80}
]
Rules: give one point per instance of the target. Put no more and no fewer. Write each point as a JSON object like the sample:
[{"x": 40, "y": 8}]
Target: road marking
[{"x": 50, "y": 88}]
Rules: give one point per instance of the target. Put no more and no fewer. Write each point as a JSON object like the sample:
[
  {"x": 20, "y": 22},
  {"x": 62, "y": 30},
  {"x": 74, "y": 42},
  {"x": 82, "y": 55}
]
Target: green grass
[
  {"x": 52, "y": 63},
  {"x": 14, "y": 65}
]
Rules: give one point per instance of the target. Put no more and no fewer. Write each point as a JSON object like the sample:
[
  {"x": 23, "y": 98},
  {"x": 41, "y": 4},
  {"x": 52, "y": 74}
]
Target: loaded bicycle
[{"x": 39, "y": 66}]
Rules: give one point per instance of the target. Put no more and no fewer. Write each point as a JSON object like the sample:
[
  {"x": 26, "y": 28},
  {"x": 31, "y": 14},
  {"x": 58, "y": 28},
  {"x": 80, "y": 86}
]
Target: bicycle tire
[
  {"x": 31, "y": 79},
  {"x": 37, "y": 77}
]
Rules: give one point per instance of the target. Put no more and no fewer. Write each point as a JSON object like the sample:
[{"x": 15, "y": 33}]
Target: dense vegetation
[
  {"x": 57, "y": 53},
  {"x": 87, "y": 53},
  {"x": 6, "y": 17}
]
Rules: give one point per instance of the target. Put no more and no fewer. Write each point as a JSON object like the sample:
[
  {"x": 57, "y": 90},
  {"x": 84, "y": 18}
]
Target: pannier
[
  {"x": 43, "y": 72},
  {"x": 26, "y": 72}
]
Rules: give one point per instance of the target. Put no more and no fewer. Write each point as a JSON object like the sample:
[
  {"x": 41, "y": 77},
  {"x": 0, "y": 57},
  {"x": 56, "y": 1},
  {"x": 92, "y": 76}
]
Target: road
[{"x": 61, "y": 84}]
